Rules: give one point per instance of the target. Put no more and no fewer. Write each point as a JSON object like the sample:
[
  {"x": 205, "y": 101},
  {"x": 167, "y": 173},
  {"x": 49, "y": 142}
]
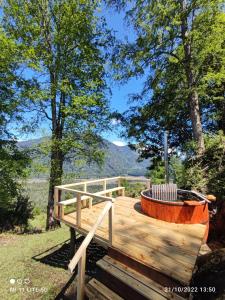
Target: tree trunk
[
  {"x": 195, "y": 115},
  {"x": 56, "y": 172},
  {"x": 196, "y": 121},
  {"x": 56, "y": 168}
]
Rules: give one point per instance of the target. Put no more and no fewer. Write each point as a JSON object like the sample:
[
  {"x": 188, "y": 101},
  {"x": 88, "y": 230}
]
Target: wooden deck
[{"x": 169, "y": 248}]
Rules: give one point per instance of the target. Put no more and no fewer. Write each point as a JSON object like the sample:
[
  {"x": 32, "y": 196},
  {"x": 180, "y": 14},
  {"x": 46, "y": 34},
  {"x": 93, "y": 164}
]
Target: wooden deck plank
[
  {"x": 95, "y": 290},
  {"x": 167, "y": 231},
  {"x": 167, "y": 247},
  {"x": 124, "y": 239}
]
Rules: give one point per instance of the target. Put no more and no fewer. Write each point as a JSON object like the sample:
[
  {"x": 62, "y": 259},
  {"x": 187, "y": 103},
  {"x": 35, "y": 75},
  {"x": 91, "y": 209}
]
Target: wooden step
[
  {"x": 95, "y": 290},
  {"x": 131, "y": 284},
  {"x": 145, "y": 270}
]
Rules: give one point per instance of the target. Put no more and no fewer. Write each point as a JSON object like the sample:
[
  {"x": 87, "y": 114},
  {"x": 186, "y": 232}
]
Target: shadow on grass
[{"x": 59, "y": 257}]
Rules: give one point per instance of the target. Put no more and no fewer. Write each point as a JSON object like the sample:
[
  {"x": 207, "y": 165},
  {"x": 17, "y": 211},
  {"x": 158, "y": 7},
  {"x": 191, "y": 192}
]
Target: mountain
[{"x": 119, "y": 160}]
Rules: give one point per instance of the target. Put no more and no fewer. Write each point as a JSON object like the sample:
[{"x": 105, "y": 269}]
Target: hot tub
[{"x": 186, "y": 209}]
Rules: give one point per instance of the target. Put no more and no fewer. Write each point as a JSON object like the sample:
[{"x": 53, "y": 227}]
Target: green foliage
[
  {"x": 132, "y": 189},
  {"x": 208, "y": 173},
  {"x": 64, "y": 46},
  {"x": 62, "y": 42},
  {"x": 177, "y": 171},
  {"x": 15, "y": 207},
  {"x": 158, "y": 54},
  {"x": 9, "y": 108},
  {"x": 157, "y": 172},
  {"x": 205, "y": 174},
  {"x": 36, "y": 211}
]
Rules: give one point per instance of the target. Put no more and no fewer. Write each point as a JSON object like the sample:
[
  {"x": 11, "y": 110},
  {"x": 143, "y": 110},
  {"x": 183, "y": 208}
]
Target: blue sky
[{"x": 120, "y": 93}]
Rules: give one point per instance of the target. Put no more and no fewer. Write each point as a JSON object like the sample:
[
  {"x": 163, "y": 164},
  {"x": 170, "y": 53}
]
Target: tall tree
[
  {"x": 15, "y": 208},
  {"x": 63, "y": 45},
  {"x": 174, "y": 39}
]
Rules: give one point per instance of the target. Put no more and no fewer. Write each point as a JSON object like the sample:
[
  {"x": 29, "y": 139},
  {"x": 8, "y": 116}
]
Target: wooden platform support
[{"x": 73, "y": 239}]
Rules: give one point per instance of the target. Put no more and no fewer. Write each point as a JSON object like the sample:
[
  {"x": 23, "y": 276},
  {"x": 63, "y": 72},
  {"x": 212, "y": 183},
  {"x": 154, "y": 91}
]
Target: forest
[{"x": 59, "y": 61}]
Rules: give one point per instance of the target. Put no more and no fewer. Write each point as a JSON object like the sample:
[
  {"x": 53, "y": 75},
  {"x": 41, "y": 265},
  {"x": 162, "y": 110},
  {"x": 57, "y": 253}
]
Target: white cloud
[{"x": 119, "y": 143}]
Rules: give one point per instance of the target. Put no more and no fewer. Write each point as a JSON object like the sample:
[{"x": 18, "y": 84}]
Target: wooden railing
[
  {"x": 80, "y": 256},
  {"x": 58, "y": 211},
  {"x": 81, "y": 196}
]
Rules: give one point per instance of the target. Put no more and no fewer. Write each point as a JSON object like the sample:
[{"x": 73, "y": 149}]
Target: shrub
[{"x": 15, "y": 208}]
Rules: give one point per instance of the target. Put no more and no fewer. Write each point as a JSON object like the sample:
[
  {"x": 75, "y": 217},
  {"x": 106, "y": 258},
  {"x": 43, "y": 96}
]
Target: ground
[
  {"x": 34, "y": 266},
  {"x": 18, "y": 261}
]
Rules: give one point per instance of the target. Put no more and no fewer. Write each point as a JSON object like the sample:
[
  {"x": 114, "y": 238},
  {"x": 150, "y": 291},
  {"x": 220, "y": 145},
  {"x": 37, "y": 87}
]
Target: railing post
[
  {"x": 111, "y": 215},
  {"x": 104, "y": 185},
  {"x": 120, "y": 193},
  {"x": 81, "y": 277},
  {"x": 61, "y": 211},
  {"x": 78, "y": 210},
  {"x": 90, "y": 203},
  {"x": 56, "y": 200},
  {"x": 85, "y": 190}
]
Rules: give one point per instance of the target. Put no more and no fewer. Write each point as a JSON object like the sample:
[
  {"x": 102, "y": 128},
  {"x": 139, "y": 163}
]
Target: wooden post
[
  {"x": 81, "y": 277},
  {"x": 104, "y": 185},
  {"x": 73, "y": 239},
  {"x": 61, "y": 211},
  {"x": 119, "y": 184},
  {"x": 111, "y": 215},
  {"x": 123, "y": 192},
  {"x": 56, "y": 200},
  {"x": 90, "y": 203},
  {"x": 78, "y": 210},
  {"x": 84, "y": 202}
]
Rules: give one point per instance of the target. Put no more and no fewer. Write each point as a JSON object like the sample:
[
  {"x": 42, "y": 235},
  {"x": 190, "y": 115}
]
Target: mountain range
[{"x": 119, "y": 160}]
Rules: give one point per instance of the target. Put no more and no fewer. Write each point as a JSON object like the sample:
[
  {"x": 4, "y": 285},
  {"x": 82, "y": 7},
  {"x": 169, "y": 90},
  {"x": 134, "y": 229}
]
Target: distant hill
[{"x": 119, "y": 160}]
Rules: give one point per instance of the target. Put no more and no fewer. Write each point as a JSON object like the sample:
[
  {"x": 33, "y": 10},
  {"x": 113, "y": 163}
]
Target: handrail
[
  {"x": 102, "y": 180},
  {"x": 80, "y": 256},
  {"x": 96, "y": 195},
  {"x": 88, "y": 238},
  {"x": 90, "y": 181}
]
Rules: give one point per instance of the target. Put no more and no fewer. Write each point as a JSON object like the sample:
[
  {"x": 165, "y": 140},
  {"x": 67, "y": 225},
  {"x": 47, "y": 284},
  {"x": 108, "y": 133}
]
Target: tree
[
  {"x": 15, "y": 208},
  {"x": 64, "y": 49},
  {"x": 178, "y": 44}
]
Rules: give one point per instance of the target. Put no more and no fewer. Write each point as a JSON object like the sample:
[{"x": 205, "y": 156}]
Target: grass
[{"x": 17, "y": 262}]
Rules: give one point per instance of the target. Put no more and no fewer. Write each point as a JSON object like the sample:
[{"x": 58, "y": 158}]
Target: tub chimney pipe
[{"x": 166, "y": 156}]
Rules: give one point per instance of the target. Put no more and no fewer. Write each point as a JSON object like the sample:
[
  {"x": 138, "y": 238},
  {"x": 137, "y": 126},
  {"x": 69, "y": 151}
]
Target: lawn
[{"x": 23, "y": 277}]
